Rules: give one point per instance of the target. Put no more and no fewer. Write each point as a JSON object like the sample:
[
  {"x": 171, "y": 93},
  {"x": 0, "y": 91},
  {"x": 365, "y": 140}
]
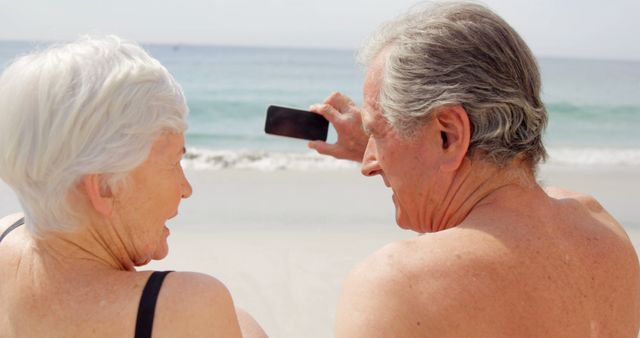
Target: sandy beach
[{"x": 283, "y": 241}]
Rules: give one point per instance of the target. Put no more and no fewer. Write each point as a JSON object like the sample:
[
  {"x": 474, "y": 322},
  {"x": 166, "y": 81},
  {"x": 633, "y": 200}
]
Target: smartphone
[{"x": 296, "y": 123}]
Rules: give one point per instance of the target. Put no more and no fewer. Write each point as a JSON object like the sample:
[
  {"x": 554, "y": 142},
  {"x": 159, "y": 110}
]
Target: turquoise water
[
  {"x": 594, "y": 105},
  {"x": 592, "y": 102}
]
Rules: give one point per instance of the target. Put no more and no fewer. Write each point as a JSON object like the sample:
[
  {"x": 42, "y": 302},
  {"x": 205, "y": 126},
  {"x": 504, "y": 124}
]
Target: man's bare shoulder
[
  {"x": 583, "y": 200},
  {"x": 416, "y": 287},
  {"x": 584, "y": 204},
  {"x": 195, "y": 305}
]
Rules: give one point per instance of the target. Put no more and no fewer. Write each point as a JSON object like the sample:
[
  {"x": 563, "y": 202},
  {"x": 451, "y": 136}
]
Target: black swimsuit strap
[
  {"x": 13, "y": 226},
  {"x": 147, "y": 308}
]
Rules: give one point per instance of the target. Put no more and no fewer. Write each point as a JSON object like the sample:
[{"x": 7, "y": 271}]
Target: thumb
[{"x": 323, "y": 148}]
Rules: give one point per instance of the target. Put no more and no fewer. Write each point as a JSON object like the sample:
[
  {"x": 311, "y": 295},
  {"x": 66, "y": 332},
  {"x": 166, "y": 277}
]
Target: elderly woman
[{"x": 91, "y": 138}]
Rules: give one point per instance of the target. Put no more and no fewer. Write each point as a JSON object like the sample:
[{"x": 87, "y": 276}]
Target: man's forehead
[
  {"x": 373, "y": 80},
  {"x": 374, "y": 74},
  {"x": 371, "y": 106}
]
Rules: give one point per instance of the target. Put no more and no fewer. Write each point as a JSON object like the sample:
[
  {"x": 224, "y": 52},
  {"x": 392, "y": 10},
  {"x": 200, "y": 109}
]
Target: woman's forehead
[{"x": 169, "y": 143}]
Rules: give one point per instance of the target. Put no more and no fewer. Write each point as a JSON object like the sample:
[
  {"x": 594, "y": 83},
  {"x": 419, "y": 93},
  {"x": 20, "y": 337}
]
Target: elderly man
[{"x": 453, "y": 123}]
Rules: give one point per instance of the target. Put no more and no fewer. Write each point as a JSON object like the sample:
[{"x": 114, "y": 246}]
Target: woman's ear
[
  {"x": 99, "y": 194},
  {"x": 454, "y": 127}
]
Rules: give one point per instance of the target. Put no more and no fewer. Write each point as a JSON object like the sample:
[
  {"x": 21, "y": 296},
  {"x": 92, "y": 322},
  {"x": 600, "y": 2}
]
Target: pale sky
[{"x": 564, "y": 28}]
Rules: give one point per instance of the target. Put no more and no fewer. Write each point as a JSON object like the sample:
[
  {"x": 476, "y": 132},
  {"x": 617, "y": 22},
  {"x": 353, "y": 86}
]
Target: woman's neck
[{"x": 86, "y": 247}]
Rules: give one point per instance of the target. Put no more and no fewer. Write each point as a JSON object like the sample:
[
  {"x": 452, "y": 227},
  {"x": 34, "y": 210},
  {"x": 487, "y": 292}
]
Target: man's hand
[{"x": 346, "y": 118}]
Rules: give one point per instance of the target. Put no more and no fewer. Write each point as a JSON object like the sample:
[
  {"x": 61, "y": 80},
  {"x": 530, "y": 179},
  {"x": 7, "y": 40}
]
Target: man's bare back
[{"x": 526, "y": 265}]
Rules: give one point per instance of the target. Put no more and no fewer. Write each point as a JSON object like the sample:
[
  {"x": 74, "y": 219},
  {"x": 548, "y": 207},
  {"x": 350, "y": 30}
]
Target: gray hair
[
  {"x": 462, "y": 54},
  {"x": 92, "y": 106}
]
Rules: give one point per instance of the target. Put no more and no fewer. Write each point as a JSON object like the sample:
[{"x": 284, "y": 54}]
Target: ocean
[{"x": 593, "y": 105}]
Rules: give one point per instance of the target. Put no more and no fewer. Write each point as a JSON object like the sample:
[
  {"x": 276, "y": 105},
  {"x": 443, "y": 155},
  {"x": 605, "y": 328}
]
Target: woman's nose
[{"x": 187, "y": 190}]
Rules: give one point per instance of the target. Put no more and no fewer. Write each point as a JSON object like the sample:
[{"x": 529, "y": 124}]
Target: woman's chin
[
  {"x": 142, "y": 261},
  {"x": 162, "y": 251}
]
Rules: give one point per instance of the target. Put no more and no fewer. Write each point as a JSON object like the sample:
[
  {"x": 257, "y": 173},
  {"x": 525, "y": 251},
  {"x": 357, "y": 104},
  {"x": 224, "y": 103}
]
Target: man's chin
[
  {"x": 404, "y": 223},
  {"x": 401, "y": 221}
]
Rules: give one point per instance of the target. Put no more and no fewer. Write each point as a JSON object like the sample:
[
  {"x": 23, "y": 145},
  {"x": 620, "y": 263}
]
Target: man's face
[{"x": 407, "y": 165}]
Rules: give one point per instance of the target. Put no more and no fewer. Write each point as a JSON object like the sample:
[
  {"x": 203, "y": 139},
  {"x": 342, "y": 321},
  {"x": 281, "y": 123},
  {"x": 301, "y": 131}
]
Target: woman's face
[{"x": 152, "y": 196}]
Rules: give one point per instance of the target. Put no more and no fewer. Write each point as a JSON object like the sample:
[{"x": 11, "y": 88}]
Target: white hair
[
  {"x": 461, "y": 53},
  {"x": 92, "y": 106}
]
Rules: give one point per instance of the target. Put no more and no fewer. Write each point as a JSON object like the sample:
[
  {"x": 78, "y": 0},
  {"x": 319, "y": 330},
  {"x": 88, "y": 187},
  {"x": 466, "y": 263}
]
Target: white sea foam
[
  {"x": 594, "y": 156},
  {"x": 200, "y": 159},
  {"x": 203, "y": 159}
]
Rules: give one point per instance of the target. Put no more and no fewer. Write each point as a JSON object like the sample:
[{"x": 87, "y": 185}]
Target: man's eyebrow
[
  {"x": 365, "y": 129},
  {"x": 365, "y": 118}
]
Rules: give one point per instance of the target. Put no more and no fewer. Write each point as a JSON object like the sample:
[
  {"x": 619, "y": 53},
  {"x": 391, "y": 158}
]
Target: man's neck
[{"x": 477, "y": 183}]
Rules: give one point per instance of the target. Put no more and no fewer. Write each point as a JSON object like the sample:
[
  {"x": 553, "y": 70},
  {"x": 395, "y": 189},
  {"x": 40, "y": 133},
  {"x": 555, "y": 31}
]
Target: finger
[
  {"x": 327, "y": 111},
  {"x": 340, "y": 101},
  {"x": 325, "y": 148}
]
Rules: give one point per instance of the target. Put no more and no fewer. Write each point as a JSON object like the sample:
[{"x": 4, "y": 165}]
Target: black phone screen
[{"x": 296, "y": 123}]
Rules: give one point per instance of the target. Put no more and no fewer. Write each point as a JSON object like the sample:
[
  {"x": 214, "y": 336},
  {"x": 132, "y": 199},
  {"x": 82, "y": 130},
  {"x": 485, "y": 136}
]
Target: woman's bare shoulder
[
  {"x": 195, "y": 304},
  {"x": 7, "y": 221}
]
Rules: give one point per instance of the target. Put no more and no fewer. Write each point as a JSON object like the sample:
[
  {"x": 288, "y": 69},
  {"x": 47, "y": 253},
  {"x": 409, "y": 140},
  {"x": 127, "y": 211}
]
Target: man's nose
[{"x": 370, "y": 166}]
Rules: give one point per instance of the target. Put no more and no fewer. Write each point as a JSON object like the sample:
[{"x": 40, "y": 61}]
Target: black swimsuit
[{"x": 147, "y": 306}]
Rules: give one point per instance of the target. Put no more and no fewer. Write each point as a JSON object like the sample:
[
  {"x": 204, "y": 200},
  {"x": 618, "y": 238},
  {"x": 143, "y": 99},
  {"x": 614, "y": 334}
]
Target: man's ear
[
  {"x": 455, "y": 135},
  {"x": 99, "y": 194}
]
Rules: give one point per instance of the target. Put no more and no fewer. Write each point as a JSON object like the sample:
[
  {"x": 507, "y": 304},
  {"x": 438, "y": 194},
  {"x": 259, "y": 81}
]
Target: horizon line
[{"x": 298, "y": 48}]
